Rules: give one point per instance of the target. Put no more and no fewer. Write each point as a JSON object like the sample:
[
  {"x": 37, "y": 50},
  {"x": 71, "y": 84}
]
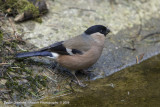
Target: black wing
[{"x": 59, "y": 48}]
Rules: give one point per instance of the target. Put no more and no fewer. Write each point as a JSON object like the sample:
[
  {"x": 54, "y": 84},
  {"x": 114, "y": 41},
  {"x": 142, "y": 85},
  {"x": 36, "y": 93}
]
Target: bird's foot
[
  {"x": 79, "y": 83},
  {"x": 82, "y": 85}
]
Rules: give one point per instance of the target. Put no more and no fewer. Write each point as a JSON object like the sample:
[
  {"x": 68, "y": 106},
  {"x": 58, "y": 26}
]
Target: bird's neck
[{"x": 99, "y": 39}]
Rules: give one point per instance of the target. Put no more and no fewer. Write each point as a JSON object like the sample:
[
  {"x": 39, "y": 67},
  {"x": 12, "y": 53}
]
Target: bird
[{"x": 77, "y": 53}]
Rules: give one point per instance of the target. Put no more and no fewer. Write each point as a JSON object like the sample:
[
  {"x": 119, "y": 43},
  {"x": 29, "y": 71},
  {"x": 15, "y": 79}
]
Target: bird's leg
[
  {"x": 86, "y": 72},
  {"x": 76, "y": 78},
  {"x": 79, "y": 83}
]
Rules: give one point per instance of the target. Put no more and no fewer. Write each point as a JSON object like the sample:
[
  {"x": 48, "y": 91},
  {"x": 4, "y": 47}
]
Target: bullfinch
[{"x": 77, "y": 53}]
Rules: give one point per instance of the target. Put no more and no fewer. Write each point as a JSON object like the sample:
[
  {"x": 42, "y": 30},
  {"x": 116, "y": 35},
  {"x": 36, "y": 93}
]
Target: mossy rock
[{"x": 23, "y": 9}]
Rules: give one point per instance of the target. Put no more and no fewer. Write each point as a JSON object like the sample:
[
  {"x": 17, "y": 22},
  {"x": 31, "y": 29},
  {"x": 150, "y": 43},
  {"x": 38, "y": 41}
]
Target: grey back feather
[{"x": 81, "y": 42}]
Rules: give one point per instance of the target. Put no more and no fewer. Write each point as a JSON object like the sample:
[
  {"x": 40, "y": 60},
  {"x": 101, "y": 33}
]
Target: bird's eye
[{"x": 101, "y": 30}]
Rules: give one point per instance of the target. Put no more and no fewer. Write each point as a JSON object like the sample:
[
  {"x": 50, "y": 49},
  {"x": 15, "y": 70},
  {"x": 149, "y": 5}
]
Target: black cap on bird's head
[{"x": 97, "y": 28}]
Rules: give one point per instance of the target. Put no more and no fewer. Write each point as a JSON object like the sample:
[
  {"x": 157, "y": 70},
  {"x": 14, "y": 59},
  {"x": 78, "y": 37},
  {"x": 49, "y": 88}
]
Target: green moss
[
  {"x": 19, "y": 75},
  {"x": 25, "y": 6},
  {"x": 1, "y": 36},
  {"x": 42, "y": 80},
  {"x": 39, "y": 20},
  {"x": 11, "y": 84},
  {"x": 14, "y": 77},
  {"x": 8, "y": 4},
  {"x": 15, "y": 7}
]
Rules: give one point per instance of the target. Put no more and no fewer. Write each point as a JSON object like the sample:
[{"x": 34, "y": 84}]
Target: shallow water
[{"x": 137, "y": 85}]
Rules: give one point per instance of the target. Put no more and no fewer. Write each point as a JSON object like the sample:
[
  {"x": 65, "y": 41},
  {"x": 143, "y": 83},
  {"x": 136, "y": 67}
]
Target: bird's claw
[
  {"x": 79, "y": 83},
  {"x": 82, "y": 85}
]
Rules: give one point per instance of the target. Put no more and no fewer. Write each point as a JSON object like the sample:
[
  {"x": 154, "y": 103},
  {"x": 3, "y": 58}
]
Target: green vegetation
[
  {"x": 15, "y": 75},
  {"x": 14, "y": 7},
  {"x": 1, "y": 37}
]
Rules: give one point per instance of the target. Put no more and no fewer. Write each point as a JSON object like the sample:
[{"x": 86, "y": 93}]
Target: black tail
[{"x": 35, "y": 53}]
